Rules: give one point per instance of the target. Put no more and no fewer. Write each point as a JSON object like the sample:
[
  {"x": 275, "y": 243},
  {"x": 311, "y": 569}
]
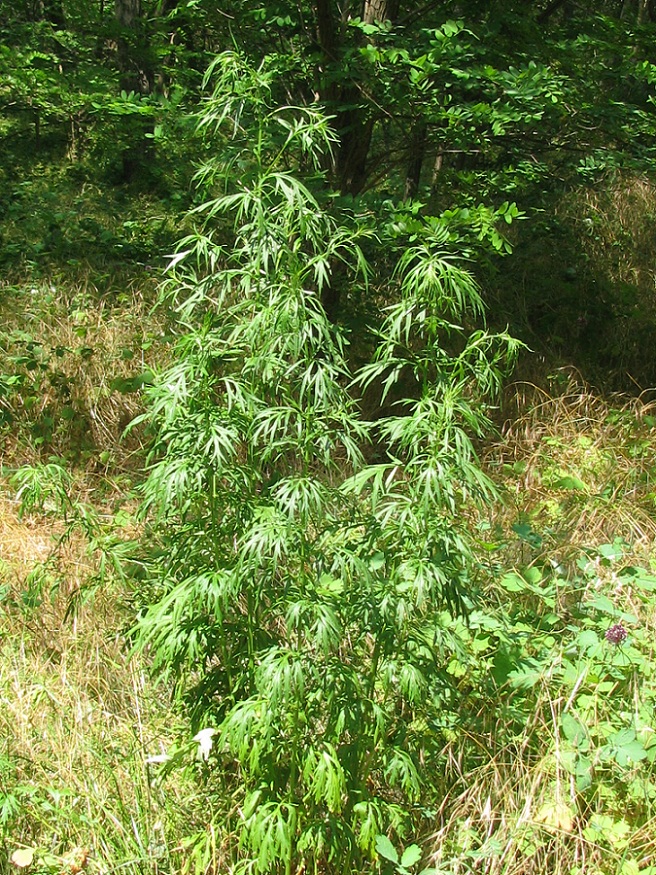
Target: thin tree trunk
[
  {"x": 380, "y": 10},
  {"x": 437, "y": 169},
  {"x": 132, "y": 51},
  {"x": 355, "y": 125},
  {"x": 554, "y": 6},
  {"x": 54, "y": 13},
  {"x": 415, "y": 164},
  {"x": 137, "y": 77}
]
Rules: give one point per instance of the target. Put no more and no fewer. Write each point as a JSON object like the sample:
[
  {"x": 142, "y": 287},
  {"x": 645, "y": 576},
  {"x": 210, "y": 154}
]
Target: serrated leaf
[
  {"x": 574, "y": 732},
  {"x": 610, "y": 551},
  {"x": 587, "y": 639},
  {"x": 633, "y": 752},
  {"x": 533, "y": 575},
  {"x": 512, "y": 582},
  {"x": 328, "y": 585},
  {"x": 525, "y": 678}
]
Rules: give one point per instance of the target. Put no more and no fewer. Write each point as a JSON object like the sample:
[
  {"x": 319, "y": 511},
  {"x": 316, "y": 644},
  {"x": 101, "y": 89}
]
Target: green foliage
[
  {"x": 363, "y": 660},
  {"x": 48, "y": 490},
  {"x": 596, "y": 693},
  {"x": 304, "y": 599},
  {"x": 74, "y": 357},
  {"x": 404, "y": 864}
]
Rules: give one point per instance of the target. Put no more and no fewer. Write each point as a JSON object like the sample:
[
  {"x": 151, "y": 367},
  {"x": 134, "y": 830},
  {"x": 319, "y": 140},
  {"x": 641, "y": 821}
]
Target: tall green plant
[{"x": 302, "y": 598}]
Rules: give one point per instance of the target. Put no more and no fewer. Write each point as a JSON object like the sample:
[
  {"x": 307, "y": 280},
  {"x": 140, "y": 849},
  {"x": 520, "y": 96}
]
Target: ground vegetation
[{"x": 326, "y": 533}]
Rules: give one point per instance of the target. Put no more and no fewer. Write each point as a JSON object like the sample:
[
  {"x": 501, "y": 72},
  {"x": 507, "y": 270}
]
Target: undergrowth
[
  {"x": 79, "y": 718},
  {"x": 547, "y": 763},
  {"x": 554, "y": 771},
  {"x": 579, "y": 467},
  {"x": 579, "y": 288},
  {"x": 75, "y": 355},
  {"x": 390, "y": 667}
]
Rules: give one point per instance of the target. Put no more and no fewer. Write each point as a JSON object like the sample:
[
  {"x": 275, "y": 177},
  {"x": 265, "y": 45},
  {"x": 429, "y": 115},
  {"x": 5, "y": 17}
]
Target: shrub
[{"x": 304, "y": 599}]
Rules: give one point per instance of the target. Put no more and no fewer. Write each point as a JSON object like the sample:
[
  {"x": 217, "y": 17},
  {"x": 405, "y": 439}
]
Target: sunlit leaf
[
  {"x": 386, "y": 849},
  {"x": 23, "y": 857}
]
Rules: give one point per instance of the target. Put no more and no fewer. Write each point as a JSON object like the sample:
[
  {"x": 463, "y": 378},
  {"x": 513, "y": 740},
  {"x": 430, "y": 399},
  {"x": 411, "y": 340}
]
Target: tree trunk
[
  {"x": 54, "y": 13},
  {"x": 136, "y": 76},
  {"x": 552, "y": 7},
  {"x": 380, "y": 10},
  {"x": 416, "y": 161},
  {"x": 354, "y": 123}
]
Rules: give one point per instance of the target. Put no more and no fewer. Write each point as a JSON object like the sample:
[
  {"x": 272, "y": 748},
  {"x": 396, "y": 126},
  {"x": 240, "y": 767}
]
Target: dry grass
[
  {"x": 580, "y": 288},
  {"x": 78, "y": 719},
  {"x": 514, "y": 808},
  {"x": 579, "y": 465},
  {"x": 617, "y": 222},
  {"x": 82, "y": 342},
  {"x": 519, "y": 813}
]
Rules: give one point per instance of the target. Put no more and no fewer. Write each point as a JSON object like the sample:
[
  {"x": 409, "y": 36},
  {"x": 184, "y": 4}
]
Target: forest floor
[{"x": 84, "y": 727}]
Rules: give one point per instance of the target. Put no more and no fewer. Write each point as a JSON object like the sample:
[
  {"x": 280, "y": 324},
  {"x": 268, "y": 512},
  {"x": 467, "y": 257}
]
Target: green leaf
[
  {"x": 533, "y": 575},
  {"x": 588, "y": 640},
  {"x": 639, "y": 578},
  {"x": 513, "y": 582},
  {"x": 602, "y": 604},
  {"x": 583, "y": 773},
  {"x": 525, "y": 678},
  {"x": 574, "y": 732},
  {"x": 626, "y": 747},
  {"x": 570, "y": 482},
  {"x": 330, "y": 586},
  {"x": 386, "y": 849},
  {"x": 377, "y": 561},
  {"x": 525, "y": 533},
  {"x": 611, "y": 551},
  {"x": 411, "y": 855}
]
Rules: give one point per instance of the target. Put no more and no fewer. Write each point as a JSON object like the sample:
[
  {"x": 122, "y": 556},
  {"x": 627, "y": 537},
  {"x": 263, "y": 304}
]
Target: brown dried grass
[
  {"x": 79, "y": 716},
  {"x": 88, "y": 340},
  {"x": 609, "y": 444}
]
